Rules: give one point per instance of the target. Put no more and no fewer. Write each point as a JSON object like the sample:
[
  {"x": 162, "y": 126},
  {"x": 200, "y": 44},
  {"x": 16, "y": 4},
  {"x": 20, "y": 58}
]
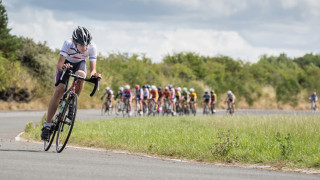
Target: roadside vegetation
[{"x": 277, "y": 141}]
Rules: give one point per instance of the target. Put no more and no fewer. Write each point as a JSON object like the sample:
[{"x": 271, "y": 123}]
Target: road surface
[{"x": 28, "y": 161}]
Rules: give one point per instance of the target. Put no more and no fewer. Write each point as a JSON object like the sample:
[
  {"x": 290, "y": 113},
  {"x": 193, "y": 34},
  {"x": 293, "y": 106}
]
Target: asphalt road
[{"x": 26, "y": 160}]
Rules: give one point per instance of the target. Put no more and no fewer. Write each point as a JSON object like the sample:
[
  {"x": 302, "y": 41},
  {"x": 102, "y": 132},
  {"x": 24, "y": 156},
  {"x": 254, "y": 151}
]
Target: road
[{"x": 26, "y": 160}]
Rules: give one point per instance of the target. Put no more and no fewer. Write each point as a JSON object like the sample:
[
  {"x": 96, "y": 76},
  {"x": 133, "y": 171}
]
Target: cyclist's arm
[{"x": 93, "y": 71}]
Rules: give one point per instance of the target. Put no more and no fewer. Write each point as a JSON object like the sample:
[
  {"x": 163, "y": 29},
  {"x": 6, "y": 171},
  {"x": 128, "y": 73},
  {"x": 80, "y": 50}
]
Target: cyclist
[
  {"x": 127, "y": 95},
  {"x": 213, "y": 101},
  {"x": 185, "y": 96},
  {"x": 167, "y": 96},
  {"x": 139, "y": 97},
  {"x": 73, "y": 55},
  {"x": 173, "y": 98},
  {"x": 178, "y": 97},
  {"x": 154, "y": 95},
  {"x": 109, "y": 94},
  {"x": 232, "y": 99},
  {"x": 119, "y": 93},
  {"x": 145, "y": 95},
  {"x": 160, "y": 95},
  {"x": 206, "y": 99},
  {"x": 314, "y": 99},
  {"x": 193, "y": 99}
]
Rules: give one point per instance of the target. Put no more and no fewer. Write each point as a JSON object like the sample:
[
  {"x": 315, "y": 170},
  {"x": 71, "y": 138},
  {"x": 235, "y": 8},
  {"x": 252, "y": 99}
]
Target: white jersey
[{"x": 70, "y": 51}]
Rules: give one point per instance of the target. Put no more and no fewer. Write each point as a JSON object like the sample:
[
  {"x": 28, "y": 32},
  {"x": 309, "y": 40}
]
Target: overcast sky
[{"x": 241, "y": 29}]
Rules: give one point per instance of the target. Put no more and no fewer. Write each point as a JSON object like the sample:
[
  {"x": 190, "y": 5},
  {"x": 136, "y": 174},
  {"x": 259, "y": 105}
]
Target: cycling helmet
[
  {"x": 192, "y": 90},
  {"x": 144, "y": 86},
  {"x": 120, "y": 88},
  {"x": 166, "y": 89},
  {"x": 184, "y": 89},
  {"x": 126, "y": 87},
  {"x": 206, "y": 91},
  {"x": 108, "y": 88},
  {"x": 153, "y": 87},
  {"x": 314, "y": 93},
  {"x": 148, "y": 86},
  {"x": 212, "y": 91},
  {"x": 170, "y": 86},
  {"x": 137, "y": 86},
  {"x": 179, "y": 89},
  {"x": 159, "y": 88},
  {"x": 81, "y": 35}
]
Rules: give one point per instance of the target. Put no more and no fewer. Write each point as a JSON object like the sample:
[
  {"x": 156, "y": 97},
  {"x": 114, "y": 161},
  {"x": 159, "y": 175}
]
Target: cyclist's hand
[
  {"x": 97, "y": 75},
  {"x": 67, "y": 65}
]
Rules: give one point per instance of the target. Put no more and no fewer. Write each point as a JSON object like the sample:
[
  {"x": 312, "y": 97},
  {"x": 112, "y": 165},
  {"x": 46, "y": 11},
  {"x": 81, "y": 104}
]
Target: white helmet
[
  {"x": 108, "y": 88},
  {"x": 127, "y": 87},
  {"x": 153, "y": 87},
  {"x": 229, "y": 92},
  {"x": 120, "y": 88},
  {"x": 179, "y": 89},
  {"x": 191, "y": 90}
]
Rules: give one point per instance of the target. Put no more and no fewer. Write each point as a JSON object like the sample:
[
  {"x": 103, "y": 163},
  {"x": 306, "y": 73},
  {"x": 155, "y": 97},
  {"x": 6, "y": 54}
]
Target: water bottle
[{"x": 62, "y": 105}]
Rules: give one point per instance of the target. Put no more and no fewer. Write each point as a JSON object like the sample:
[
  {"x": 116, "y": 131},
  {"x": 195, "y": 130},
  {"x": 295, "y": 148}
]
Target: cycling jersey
[
  {"x": 160, "y": 94},
  {"x": 139, "y": 94},
  {"x": 145, "y": 93},
  {"x": 314, "y": 97},
  {"x": 119, "y": 94},
  {"x": 154, "y": 95},
  {"x": 72, "y": 54},
  {"x": 167, "y": 94},
  {"x": 206, "y": 96},
  {"x": 231, "y": 97},
  {"x": 172, "y": 93},
  {"x": 178, "y": 95},
  {"x": 110, "y": 93},
  {"x": 127, "y": 94},
  {"x": 193, "y": 96},
  {"x": 213, "y": 97},
  {"x": 185, "y": 95}
]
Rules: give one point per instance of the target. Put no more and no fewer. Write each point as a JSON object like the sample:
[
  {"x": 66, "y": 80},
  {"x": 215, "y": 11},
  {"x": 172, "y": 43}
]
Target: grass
[{"x": 292, "y": 141}]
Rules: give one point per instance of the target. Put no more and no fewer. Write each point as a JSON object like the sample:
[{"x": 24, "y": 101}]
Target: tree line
[{"x": 25, "y": 63}]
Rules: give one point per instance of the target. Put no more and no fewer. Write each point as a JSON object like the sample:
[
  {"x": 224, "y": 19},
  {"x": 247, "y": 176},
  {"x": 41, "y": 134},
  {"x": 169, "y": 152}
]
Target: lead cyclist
[{"x": 73, "y": 55}]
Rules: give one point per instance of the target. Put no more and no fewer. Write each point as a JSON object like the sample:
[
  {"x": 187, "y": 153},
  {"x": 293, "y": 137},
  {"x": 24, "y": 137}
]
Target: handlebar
[{"x": 92, "y": 79}]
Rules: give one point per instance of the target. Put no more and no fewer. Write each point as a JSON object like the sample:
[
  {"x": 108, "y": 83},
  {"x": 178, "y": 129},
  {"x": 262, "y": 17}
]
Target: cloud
[{"x": 157, "y": 39}]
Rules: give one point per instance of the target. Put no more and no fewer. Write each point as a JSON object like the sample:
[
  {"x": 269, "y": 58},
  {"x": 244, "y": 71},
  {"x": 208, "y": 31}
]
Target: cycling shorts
[
  {"x": 82, "y": 65},
  {"x": 139, "y": 98},
  {"x": 206, "y": 100}
]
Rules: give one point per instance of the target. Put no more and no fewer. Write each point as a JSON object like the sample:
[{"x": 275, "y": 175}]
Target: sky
[{"x": 243, "y": 29}]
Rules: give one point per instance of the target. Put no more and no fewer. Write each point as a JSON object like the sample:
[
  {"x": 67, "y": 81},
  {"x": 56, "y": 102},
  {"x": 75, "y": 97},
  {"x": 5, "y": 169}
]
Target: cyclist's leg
[
  {"x": 54, "y": 102},
  {"x": 80, "y": 84}
]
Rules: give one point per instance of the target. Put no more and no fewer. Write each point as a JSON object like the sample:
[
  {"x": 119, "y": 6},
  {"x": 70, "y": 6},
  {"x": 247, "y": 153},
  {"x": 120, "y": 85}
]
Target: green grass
[{"x": 292, "y": 140}]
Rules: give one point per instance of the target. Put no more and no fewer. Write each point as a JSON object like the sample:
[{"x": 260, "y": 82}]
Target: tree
[{"x": 9, "y": 44}]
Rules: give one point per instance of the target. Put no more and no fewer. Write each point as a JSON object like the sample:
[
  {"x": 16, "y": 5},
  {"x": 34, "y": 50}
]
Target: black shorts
[{"x": 82, "y": 65}]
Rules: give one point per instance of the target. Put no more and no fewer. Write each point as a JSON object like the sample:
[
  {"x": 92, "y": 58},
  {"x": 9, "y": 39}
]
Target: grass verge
[{"x": 286, "y": 141}]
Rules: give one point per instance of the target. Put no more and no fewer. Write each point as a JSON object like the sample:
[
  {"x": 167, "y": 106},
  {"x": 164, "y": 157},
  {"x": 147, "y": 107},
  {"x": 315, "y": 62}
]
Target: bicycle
[
  {"x": 126, "y": 108},
  {"x": 137, "y": 110},
  {"x": 192, "y": 108},
  {"x": 206, "y": 108},
  {"x": 230, "y": 109},
  {"x": 64, "y": 120},
  {"x": 106, "y": 108},
  {"x": 119, "y": 107}
]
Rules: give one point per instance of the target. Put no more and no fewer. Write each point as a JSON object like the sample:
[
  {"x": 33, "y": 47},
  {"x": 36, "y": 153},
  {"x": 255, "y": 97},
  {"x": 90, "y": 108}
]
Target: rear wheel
[{"x": 66, "y": 125}]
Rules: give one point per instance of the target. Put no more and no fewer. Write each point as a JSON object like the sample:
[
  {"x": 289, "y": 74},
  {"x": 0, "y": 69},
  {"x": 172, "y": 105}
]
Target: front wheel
[
  {"x": 47, "y": 144},
  {"x": 67, "y": 122}
]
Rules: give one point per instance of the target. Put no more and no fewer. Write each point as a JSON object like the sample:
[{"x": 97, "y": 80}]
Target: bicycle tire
[
  {"x": 47, "y": 144},
  {"x": 63, "y": 134},
  {"x": 103, "y": 109}
]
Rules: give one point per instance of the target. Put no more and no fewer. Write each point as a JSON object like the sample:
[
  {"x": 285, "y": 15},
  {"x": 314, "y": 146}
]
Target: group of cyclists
[{"x": 170, "y": 100}]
